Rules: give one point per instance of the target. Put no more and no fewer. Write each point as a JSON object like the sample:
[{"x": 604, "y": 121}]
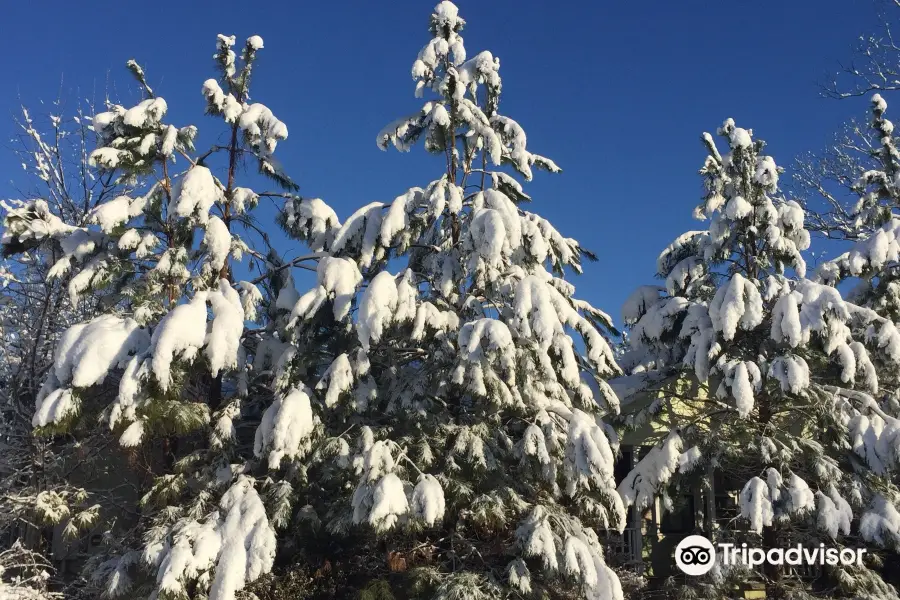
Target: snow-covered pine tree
[
  {"x": 876, "y": 219},
  {"x": 163, "y": 357},
  {"x": 434, "y": 424},
  {"x": 787, "y": 371}
]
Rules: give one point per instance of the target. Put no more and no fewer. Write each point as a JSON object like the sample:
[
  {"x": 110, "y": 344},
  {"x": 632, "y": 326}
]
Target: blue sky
[{"x": 617, "y": 93}]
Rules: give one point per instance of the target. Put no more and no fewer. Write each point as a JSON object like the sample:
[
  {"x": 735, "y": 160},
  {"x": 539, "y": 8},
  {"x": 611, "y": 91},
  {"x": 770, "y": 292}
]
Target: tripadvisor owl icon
[{"x": 695, "y": 555}]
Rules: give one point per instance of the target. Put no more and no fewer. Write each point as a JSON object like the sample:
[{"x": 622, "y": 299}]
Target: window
[{"x": 681, "y": 519}]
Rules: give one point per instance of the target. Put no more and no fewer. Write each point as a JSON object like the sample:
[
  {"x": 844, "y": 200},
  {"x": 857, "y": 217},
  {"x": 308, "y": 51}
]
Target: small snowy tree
[
  {"x": 162, "y": 355},
  {"x": 433, "y": 406},
  {"x": 36, "y": 494},
  {"x": 787, "y": 373},
  {"x": 872, "y": 260},
  {"x": 826, "y": 180}
]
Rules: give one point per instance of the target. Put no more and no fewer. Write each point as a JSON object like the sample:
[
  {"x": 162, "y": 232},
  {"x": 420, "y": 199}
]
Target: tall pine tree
[
  {"x": 789, "y": 377},
  {"x": 168, "y": 342},
  {"x": 434, "y": 422}
]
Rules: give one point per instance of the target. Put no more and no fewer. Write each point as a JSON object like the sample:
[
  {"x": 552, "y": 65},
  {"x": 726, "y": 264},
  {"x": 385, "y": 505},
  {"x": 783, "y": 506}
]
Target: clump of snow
[
  {"x": 638, "y": 303},
  {"x": 338, "y": 279},
  {"x": 737, "y": 303},
  {"x": 389, "y": 503},
  {"x": 385, "y": 301},
  {"x": 756, "y": 504},
  {"x": 791, "y": 372},
  {"x": 233, "y": 547},
  {"x": 147, "y": 114},
  {"x": 313, "y": 220},
  {"x": 835, "y": 513},
  {"x": 243, "y": 199},
  {"x": 181, "y": 333},
  {"x": 111, "y": 213},
  {"x": 255, "y": 42},
  {"x": 744, "y": 380},
  {"x": 87, "y": 351},
  {"x": 220, "y": 102},
  {"x": 54, "y": 407},
  {"x": 195, "y": 194},
  {"x": 262, "y": 129},
  {"x": 170, "y": 138},
  {"x": 251, "y": 297},
  {"x": 361, "y": 230},
  {"x": 881, "y": 523},
  {"x": 652, "y": 472},
  {"x": 133, "y": 435},
  {"x": 217, "y": 240},
  {"x": 107, "y": 158},
  {"x": 337, "y": 379},
  {"x": 285, "y": 429},
  {"x": 536, "y": 537},
  {"x": 223, "y": 342},
  {"x": 428, "y": 499}
]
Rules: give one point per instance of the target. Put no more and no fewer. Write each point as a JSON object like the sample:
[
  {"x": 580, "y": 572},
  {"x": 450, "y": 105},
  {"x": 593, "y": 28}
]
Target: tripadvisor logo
[{"x": 696, "y": 555}]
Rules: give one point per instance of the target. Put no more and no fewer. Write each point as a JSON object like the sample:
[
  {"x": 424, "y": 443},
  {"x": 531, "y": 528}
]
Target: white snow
[
  {"x": 147, "y": 114},
  {"x": 170, "y": 138},
  {"x": 217, "y": 240},
  {"x": 181, "y": 333},
  {"x": 767, "y": 174},
  {"x": 251, "y": 297},
  {"x": 87, "y": 351},
  {"x": 786, "y": 326},
  {"x": 107, "y": 158},
  {"x": 431, "y": 318},
  {"x": 337, "y": 379},
  {"x": 246, "y": 541},
  {"x": 111, "y": 213},
  {"x": 129, "y": 240},
  {"x": 195, "y": 194},
  {"x": 243, "y": 199},
  {"x": 428, "y": 499},
  {"x": 801, "y": 497},
  {"x": 285, "y": 428},
  {"x": 756, "y": 505},
  {"x": 537, "y": 539},
  {"x": 54, "y": 407},
  {"x": 835, "y": 514},
  {"x": 737, "y": 303},
  {"x": 791, "y": 372},
  {"x": 132, "y": 435},
  {"x": 338, "y": 279},
  {"x": 314, "y": 218},
  {"x": 388, "y": 503},
  {"x": 744, "y": 380},
  {"x": 223, "y": 342},
  {"x": 881, "y": 523},
  {"x": 652, "y": 472},
  {"x": 361, "y": 231},
  {"x": 376, "y": 308},
  {"x": 262, "y": 128},
  {"x": 638, "y": 303}
]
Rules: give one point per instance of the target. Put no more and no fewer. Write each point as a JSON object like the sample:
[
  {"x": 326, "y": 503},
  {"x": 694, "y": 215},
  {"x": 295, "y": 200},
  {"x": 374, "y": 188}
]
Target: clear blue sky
[{"x": 617, "y": 93}]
